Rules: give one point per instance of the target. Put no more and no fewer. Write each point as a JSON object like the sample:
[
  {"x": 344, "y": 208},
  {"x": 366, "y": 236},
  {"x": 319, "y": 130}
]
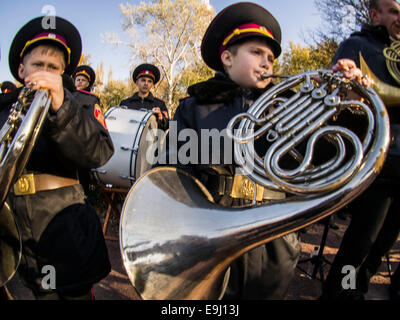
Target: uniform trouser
[
  {"x": 3, "y": 294},
  {"x": 395, "y": 280},
  {"x": 371, "y": 233},
  {"x": 266, "y": 271},
  {"x": 68, "y": 252},
  {"x": 387, "y": 237}
]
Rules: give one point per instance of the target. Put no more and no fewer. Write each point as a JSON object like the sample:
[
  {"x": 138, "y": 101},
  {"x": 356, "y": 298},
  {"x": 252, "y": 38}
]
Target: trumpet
[{"x": 18, "y": 136}]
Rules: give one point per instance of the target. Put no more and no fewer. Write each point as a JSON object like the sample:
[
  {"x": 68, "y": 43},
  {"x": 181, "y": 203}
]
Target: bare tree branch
[
  {"x": 167, "y": 33},
  {"x": 343, "y": 17}
]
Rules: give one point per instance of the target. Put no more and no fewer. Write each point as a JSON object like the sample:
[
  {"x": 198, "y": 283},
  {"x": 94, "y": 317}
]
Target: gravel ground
[{"x": 116, "y": 286}]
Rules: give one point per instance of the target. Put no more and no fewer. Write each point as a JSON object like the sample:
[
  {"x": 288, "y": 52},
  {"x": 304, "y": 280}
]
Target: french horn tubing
[
  {"x": 176, "y": 243},
  {"x": 392, "y": 55}
]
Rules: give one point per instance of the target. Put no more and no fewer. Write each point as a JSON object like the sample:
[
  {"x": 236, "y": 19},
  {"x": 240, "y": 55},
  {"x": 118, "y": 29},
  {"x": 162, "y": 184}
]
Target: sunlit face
[
  {"x": 81, "y": 82},
  {"x": 253, "y": 58},
  {"x": 42, "y": 58},
  {"x": 144, "y": 85},
  {"x": 389, "y": 16}
]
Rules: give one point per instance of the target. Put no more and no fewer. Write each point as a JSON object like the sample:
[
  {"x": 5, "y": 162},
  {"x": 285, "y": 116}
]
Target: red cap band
[
  {"x": 251, "y": 28},
  {"x": 47, "y": 36},
  {"x": 146, "y": 73}
]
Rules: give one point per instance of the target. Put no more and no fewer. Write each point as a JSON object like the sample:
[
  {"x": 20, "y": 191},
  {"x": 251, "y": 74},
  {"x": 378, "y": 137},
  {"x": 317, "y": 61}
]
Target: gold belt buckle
[
  {"x": 25, "y": 185},
  {"x": 243, "y": 188}
]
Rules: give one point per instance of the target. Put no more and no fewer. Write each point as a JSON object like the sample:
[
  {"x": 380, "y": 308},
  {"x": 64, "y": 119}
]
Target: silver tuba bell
[
  {"x": 177, "y": 244},
  {"x": 18, "y": 136}
]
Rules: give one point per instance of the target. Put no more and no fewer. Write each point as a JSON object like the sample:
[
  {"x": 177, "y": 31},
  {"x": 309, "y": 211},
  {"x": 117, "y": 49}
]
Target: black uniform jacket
[
  {"x": 6, "y": 100},
  {"x": 56, "y": 225},
  {"x": 70, "y": 138},
  {"x": 148, "y": 103},
  {"x": 89, "y": 99},
  {"x": 370, "y": 42},
  {"x": 86, "y": 97}
]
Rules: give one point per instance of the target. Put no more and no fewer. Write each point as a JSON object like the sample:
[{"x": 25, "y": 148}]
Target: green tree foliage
[
  {"x": 298, "y": 58},
  {"x": 195, "y": 73},
  {"x": 114, "y": 92}
]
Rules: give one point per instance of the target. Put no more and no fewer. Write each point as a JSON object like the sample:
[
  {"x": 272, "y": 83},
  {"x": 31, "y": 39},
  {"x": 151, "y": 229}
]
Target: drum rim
[{"x": 145, "y": 119}]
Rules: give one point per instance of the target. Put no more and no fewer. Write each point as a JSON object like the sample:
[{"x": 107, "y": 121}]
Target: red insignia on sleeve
[{"x": 99, "y": 116}]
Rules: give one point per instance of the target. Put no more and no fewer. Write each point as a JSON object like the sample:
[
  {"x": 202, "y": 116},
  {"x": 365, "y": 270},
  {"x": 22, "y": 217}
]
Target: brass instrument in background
[
  {"x": 389, "y": 94},
  {"x": 392, "y": 55},
  {"x": 18, "y": 136},
  {"x": 177, "y": 244}
]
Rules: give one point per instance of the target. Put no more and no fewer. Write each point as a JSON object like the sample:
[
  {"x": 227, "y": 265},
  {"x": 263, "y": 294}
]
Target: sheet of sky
[{"x": 94, "y": 18}]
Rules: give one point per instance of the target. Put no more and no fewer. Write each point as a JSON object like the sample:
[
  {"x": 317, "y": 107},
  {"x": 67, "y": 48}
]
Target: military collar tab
[{"x": 149, "y": 97}]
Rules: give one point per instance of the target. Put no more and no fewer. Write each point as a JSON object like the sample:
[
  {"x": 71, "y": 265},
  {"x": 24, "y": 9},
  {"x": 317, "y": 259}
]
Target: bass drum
[
  {"x": 10, "y": 245},
  {"x": 132, "y": 136}
]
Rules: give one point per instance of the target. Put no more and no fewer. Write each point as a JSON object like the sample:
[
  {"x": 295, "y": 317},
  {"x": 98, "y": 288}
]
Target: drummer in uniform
[{"x": 146, "y": 76}]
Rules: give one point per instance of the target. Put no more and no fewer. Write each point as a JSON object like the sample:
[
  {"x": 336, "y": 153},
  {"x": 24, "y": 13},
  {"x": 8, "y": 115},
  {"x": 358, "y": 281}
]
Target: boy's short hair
[
  {"x": 233, "y": 48},
  {"x": 50, "y": 48},
  {"x": 64, "y": 36},
  {"x": 239, "y": 21}
]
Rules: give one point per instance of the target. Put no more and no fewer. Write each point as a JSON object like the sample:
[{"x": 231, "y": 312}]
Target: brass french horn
[
  {"x": 392, "y": 55},
  {"x": 389, "y": 94},
  {"x": 17, "y": 136},
  {"x": 177, "y": 244}
]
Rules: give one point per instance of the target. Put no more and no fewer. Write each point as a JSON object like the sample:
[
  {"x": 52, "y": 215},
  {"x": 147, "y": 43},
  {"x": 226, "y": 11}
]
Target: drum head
[
  {"x": 134, "y": 139},
  {"x": 10, "y": 245}
]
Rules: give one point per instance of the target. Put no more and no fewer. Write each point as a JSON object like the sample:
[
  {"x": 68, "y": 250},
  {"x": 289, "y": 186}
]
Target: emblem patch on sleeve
[{"x": 99, "y": 116}]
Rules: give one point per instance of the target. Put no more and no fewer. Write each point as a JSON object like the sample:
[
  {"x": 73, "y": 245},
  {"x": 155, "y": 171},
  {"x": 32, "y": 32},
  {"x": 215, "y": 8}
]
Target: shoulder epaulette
[
  {"x": 184, "y": 98},
  {"x": 86, "y": 92},
  {"x": 159, "y": 99}
]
